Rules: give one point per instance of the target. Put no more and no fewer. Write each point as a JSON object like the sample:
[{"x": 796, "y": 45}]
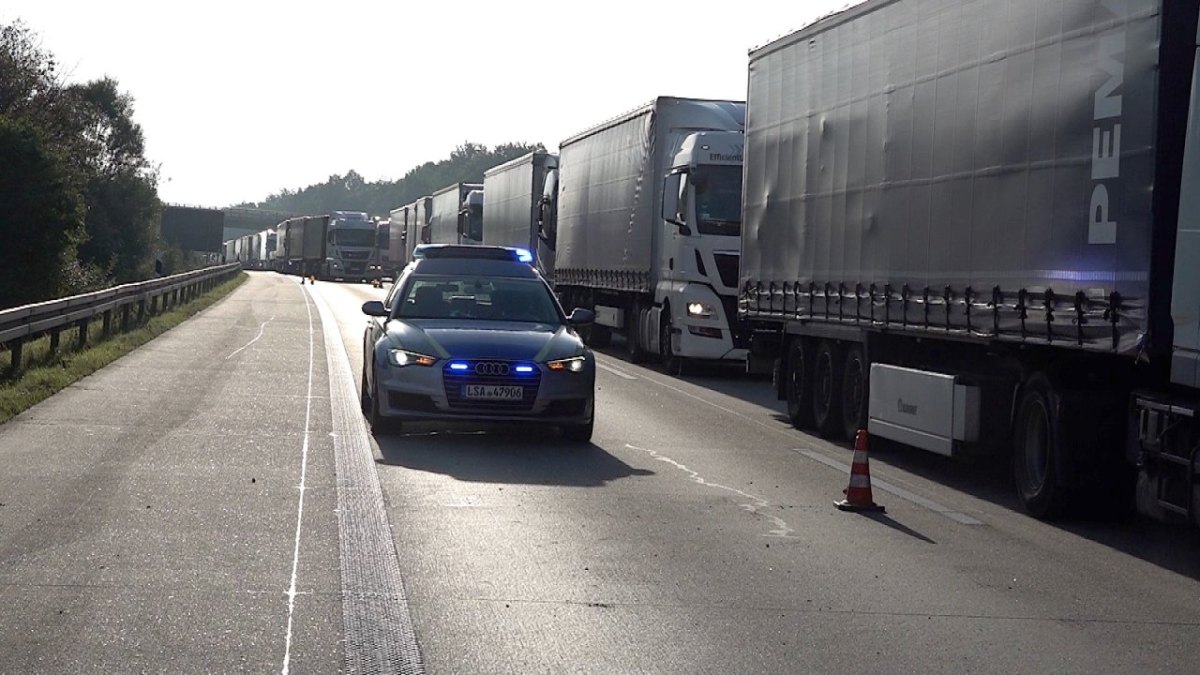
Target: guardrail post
[
  {"x": 125, "y": 312},
  {"x": 82, "y": 324},
  {"x": 107, "y": 317},
  {"x": 55, "y": 337},
  {"x": 15, "y": 347},
  {"x": 142, "y": 311}
]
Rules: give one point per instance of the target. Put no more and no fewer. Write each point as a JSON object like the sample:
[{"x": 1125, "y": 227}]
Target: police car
[{"x": 475, "y": 333}]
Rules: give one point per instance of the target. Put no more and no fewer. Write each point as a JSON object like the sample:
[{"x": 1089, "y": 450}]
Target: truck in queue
[
  {"x": 456, "y": 214},
  {"x": 411, "y": 222},
  {"x": 645, "y": 216},
  {"x": 972, "y": 227},
  {"x": 513, "y": 216},
  {"x": 335, "y": 246}
]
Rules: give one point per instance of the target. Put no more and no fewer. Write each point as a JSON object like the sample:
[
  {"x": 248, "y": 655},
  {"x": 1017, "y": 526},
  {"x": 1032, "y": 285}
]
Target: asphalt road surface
[{"x": 213, "y": 502}]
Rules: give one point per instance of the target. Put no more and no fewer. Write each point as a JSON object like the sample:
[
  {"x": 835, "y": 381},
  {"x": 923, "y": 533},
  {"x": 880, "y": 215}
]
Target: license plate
[{"x": 493, "y": 392}]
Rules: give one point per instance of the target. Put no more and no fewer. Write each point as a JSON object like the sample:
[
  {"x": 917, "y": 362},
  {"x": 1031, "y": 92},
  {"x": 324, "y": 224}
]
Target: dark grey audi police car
[{"x": 474, "y": 333}]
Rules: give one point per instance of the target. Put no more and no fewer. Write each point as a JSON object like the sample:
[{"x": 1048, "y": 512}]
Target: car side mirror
[
  {"x": 374, "y": 308},
  {"x": 581, "y": 317}
]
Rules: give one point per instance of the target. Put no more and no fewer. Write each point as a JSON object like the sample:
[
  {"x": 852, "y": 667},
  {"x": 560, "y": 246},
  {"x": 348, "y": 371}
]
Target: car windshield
[
  {"x": 478, "y": 298},
  {"x": 719, "y": 200},
  {"x": 355, "y": 237}
]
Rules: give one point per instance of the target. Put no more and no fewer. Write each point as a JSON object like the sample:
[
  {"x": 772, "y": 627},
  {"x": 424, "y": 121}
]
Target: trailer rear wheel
[
  {"x": 854, "y": 391},
  {"x": 797, "y": 384},
  {"x": 827, "y": 390},
  {"x": 1037, "y": 450}
]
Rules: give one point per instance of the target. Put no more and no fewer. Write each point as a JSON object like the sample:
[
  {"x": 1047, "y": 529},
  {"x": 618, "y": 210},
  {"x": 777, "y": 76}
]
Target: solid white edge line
[
  {"x": 900, "y": 492},
  {"x": 291, "y": 594}
]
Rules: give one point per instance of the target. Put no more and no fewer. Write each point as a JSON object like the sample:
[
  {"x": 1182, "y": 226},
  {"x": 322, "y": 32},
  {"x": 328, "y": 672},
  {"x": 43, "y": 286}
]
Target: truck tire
[
  {"x": 827, "y": 391},
  {"x": 1037, "y": 450},
  {"x": 797, "y": 383},
  {"x": 854, "y": 391}
]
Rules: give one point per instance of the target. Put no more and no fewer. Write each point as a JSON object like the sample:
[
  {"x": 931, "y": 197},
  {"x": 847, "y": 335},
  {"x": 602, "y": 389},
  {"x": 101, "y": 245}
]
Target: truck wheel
[
  {"x": 854, "y": 391},
  {"x": 1037, "y": 449},
  {"x": 673, "y": 364},
  {"x": 827, "y": 391},
  {"x": 797, "y": 385}
]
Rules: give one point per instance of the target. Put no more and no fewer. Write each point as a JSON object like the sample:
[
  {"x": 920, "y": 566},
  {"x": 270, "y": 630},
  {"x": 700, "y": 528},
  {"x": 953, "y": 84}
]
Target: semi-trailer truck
[
  {"x": 514, "y": 204},
  {"x": 412, "y": 222},
  {"x": 646, "y": 228},
  {"x": 974, "y": 225},
  {"x": 456, "y": 214},
  {"x": 335, "y": 246}
]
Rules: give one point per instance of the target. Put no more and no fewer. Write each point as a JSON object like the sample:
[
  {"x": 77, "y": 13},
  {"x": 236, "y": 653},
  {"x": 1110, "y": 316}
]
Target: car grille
[
  {"x": 494, "y": 373},
  {"x": 355, "y": 255},
  {"x": 727, "y": 268}
]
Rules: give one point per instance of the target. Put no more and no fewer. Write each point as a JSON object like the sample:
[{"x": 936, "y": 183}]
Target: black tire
[
  {"x": 364, "y": 395},
  {"x": 827, "y": 391},
  {"x": 579, "y": 433},
  {"x": 855, "y": 380},
  {"x": 633, "y": 347},
  {"x": 672, "y": 363},
  {"x": 797, "y": 385},
  {"x": 1037, "y": 450},
  {"x": 379, "y": 423}
]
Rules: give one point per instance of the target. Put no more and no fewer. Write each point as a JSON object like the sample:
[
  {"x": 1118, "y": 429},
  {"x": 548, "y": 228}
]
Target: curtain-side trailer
[{"x": 975, "y": 224}]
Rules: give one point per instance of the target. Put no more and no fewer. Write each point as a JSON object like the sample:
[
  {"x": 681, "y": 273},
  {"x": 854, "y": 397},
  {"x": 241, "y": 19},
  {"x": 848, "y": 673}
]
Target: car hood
[{"x": 485, "y": 339}]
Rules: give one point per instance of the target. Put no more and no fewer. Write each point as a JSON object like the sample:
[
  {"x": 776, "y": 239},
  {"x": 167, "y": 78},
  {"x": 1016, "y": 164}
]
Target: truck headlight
[
  {"x": 401, "y": 358},
  {"x": 574, "y": 364},
  {"x": 700, "y": 310}
]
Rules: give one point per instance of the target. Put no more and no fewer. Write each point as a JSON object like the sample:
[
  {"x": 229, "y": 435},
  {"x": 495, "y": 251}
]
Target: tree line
[
  {"x": 352, "y": 193},
  {"x": 81, "y": 201}
]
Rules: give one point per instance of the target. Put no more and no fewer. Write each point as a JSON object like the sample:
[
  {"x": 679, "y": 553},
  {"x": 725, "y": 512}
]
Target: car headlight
[
  {"x": 401, "y": 358},
  {"x": 699, "y": 309},
  {"x": 574, "y": 364}
]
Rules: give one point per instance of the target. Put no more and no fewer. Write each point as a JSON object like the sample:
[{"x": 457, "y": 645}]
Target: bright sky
[{"x": 239, "y": 100}]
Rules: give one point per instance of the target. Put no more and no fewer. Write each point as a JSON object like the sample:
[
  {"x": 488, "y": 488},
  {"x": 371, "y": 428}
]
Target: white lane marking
[
  {"x": 258, "y": 337},
  {"x": 811, "y": 454},
  {"x": 291, "y": 593},
  {"x": 756, "y": 505},
  {"x": 615, "y": 371},
  {"x": 900, "y": 492}
]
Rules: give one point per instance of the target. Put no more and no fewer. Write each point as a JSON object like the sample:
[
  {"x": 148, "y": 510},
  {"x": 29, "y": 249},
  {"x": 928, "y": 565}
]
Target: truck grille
[
  {"x": 727, "y": 268},
  {"x": 494, "y": 373}
]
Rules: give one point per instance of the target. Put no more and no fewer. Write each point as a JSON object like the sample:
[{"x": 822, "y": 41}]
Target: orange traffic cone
[{"x": 858, "y": 495}]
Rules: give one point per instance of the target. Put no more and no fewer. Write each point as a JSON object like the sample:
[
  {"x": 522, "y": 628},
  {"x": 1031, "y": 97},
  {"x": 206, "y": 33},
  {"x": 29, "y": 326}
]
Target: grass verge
[{"x": 49, "y": 373}]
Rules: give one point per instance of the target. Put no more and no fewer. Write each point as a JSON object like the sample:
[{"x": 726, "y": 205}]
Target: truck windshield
[
  {"x": 354, "y": 237},
  {"x": 718, "y": 192}
]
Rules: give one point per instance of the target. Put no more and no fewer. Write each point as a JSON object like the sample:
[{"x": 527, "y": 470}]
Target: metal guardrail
[{"x": 130, "y": 304}]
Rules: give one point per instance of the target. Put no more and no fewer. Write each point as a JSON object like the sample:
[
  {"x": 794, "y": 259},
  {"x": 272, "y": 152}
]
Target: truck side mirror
[{"x": 673, "y": 206}]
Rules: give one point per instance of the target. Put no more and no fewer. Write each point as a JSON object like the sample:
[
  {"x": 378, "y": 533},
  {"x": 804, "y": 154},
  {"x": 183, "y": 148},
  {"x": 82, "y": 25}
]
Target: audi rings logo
[{"x": 491, "y": 368}]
